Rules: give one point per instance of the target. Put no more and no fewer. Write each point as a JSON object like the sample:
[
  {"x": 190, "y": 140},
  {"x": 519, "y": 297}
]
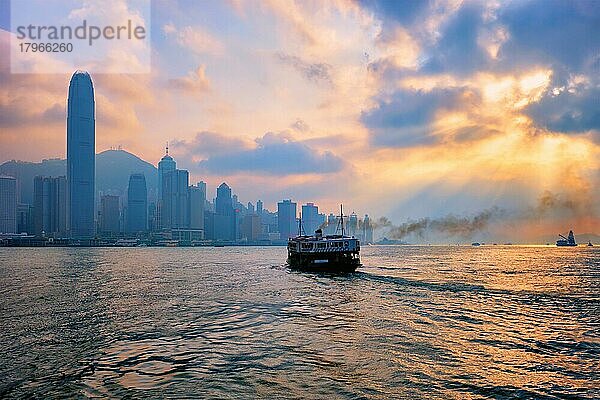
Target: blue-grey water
[{"x": 414, "y": 322}]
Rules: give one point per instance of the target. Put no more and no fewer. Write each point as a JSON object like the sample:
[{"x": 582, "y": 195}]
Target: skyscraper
[
  {"x": 166, "y": 164},
  {"x": 286, "y": 219},
  {"x": 25, "y": 218},
  {"x": 224, "y": 218},
  {"x": 174, "y": 203},
  {"x": 109, "y": 215},
  {"x": 137, "y": 204},
  {"x": 259, "y": 207},
  {"x": 8, "y": 204},
  {"x": 81, "y": 155},
  {"x": 352, "y": 224},
  {"x": 196, "y": 207},
  {"x": 224, "y": 202},
  {"x": 50, "y": 205},
  {"x": 367, "y": 231},
  {"x": 311, "y": 219},
  {"x": 250, "y": 227}
]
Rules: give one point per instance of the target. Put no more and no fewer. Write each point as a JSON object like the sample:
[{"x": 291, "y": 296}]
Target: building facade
[
  {"x": 137, "y": 204},
  {"x": 197, "y": 200},
  {"x": 174, "y": 202},
  {"x": 8, "y": 204},
  {"x": 286, "y": 219},
  {"x": 50, "y": 206},
  {"x": 311, "y": 219},
  {"x": 110, "y": 215}
]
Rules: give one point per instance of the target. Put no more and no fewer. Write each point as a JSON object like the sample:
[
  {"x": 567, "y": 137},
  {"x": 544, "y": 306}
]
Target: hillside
[{"x": 113, "y": 168}]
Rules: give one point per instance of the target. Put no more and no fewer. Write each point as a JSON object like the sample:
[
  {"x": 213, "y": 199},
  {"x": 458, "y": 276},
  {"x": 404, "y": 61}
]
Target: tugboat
[
  {"x": 331, "y": 253},
  {"x": 590, "y": 243},
  {"x": 566, "y": 241}
]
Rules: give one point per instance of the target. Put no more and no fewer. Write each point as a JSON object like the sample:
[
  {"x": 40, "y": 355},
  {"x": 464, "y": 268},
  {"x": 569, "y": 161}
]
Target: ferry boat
[{"x": 331, "y": 253}]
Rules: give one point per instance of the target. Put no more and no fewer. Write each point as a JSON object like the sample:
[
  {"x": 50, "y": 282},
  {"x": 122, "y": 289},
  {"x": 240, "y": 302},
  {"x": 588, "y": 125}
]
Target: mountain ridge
[{"x": 113, "y": 168}]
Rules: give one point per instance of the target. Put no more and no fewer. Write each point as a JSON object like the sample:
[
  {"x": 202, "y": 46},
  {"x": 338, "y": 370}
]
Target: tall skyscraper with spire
[
  {"x": 81, "y": 155},
  {"x": 166, "y": 164}
]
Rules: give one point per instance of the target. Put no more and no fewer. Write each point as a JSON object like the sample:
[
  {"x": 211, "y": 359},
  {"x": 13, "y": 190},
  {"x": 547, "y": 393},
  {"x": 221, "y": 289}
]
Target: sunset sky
[{"x": 402, "y": 109}]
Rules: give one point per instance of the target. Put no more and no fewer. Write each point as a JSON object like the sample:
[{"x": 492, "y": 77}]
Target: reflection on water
[{"x": 435, "y": 322}]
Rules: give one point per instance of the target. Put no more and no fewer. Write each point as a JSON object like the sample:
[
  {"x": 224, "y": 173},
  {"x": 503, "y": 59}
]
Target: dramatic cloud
[
  {"x": 275, "y": 154},
  {"x": 557, "y": 33},
  {"x": 406, "y": 118},
  {"x": 572, "y": 105},
  {"x": 272, "y": 154}
]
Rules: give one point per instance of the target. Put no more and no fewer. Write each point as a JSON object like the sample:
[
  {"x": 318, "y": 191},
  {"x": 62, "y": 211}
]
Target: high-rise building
[
  {"x": 286, "y": 219},
  {"x": 311, "y": 219},
  {"x": 137, "y": 204},
  {"x": 81, "y": 155},
  {"x": 109, "y": 215},
  {"x": 24, "y": 218},
  {"x": 50, "y": 206},
  {"x": 152, "y": 217},
  {"x": 166, "y": 164},
  {"x": 175, "y": 200},
  {"x": 224, "y": 201},
  {"x": 250, "y": 228},
  {"x": 367, "y": 230},
  {"x": 250, "y": 208},
  {"x": 224, "y": 218},
  {"x": 197, "y": 200},
  {"x": 259, "y": 207},
  {"x": 352, "y": 225},
  {"x": 332, "y": 224},
  {"x": 8, "y": 204}
]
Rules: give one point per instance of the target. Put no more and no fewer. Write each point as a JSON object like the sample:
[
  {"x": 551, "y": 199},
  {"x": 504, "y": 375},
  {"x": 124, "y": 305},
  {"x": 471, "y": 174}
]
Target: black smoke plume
[{"x": 450, "y": 225}]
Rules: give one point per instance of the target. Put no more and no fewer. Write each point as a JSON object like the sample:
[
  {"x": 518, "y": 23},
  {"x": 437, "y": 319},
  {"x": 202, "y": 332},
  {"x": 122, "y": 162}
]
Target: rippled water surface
[{"x": 428, "y": 322}]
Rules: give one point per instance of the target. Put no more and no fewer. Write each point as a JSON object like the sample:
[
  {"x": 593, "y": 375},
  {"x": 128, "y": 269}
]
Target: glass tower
[{"x": 81, "y": 155}]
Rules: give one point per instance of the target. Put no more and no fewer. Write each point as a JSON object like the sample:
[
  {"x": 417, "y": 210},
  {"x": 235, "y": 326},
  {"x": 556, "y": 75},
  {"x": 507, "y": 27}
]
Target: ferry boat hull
[{"x": 334, "y": 263}]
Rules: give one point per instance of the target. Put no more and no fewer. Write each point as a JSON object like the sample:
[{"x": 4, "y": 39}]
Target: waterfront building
[
  {"x": 137, "y": 204},
  {"x": 8, "y": 204},
  {"x": 174, "y": 203},
  {"x": 109, "y": 215},
  {"x": 50, "y": 206},
  {"x": 286, "y": 219},
  {"x": 197, "y": 200},
  {"x": 311, "y": 219},
  {"x": 25, "y": 218}
]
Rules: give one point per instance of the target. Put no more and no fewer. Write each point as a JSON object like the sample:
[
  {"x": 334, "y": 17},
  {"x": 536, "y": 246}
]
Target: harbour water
[{"x": 233, "y": 322}]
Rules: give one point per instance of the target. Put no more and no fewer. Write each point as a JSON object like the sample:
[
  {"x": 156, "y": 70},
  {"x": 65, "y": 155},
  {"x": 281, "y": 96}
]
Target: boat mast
[
  {"x": 300, "y": 226},
  {"x": 342, "y": 218}
]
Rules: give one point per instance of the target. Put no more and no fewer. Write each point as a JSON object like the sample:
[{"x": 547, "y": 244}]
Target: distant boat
[
  {"x": 566, "y": 241},
  {"x": 590, "y": 243},
  {"x": 475, "y": 244}
]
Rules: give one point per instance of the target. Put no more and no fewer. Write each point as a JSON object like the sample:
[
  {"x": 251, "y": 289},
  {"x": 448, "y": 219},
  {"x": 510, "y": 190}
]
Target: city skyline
[{"x": 409, "y": 113}]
